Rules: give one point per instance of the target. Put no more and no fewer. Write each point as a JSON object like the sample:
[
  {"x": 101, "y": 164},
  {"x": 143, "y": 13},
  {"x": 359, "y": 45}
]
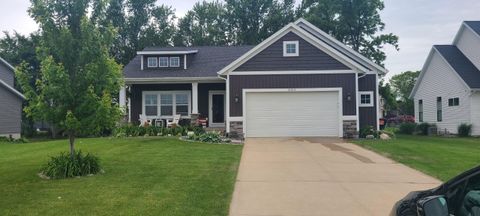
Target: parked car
[{"x": 458, "y": 197}]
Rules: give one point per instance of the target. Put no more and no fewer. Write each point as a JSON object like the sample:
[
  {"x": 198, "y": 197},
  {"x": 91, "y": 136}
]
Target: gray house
[
  {"x": 299, "y": 82},
  {"x": 10, "y": 102}
]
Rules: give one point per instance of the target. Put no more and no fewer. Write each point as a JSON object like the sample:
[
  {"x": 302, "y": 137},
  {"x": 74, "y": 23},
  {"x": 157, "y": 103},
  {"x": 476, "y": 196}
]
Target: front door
[{"x": 217, "y": 109}]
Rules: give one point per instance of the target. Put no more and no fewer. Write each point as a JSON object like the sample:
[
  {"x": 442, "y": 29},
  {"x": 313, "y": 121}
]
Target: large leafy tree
[
  {"x": 402, "y": 85},
  {"x": 251, "y": 21},
  {"x": 139, "y": 23},
  {"x": 356, "y": 23},
  {"x": 205, "y": 24},
  {"x": 386, "y": 92},
  {"x": 77, "y": 75}
]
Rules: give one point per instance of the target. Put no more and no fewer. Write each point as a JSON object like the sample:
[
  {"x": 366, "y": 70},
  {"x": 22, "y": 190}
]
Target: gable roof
[
  {"x": 206, "y": 62},
  {"x": 5, "y": 85},
  {"x": 474, "y": 25},
  {"x": 460, "y": 64},
  {"x": 311, "y": 34}
]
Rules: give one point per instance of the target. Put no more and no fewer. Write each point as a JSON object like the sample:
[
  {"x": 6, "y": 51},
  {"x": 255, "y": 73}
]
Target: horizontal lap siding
[
  {"x": 6, "y": 75},
  {"x": 345, "y": 81},
  {"x": 310, "y": 58},
  {"x": 368, "y": 115},
  {"x": 10, "y": 112}
]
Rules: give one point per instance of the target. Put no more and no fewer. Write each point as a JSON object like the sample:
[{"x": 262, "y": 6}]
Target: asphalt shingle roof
[
  {"x": 461, "y": 64},
  {"x": 206, "y": 63},
  {"x": 475, "y": 25}
]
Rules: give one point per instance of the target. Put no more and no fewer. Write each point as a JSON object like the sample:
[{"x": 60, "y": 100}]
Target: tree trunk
[{"x": 72, "y": 145}]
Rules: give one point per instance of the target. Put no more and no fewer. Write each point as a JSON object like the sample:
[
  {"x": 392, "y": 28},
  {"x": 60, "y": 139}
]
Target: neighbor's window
[
  {"x": 152, "y": 62},
  {"x": 439, "y": 109},
  {"x": 166, "y": 104},
  {"x": 454, "y": 101},
  {"x": 366, "y": 99},
  {"x": 290, "y": 48},
  {"x": 163, "y": 61},
  {"x": 174, "y": 61},
  {"x": 181, "y": 104},
  {"x": 420, "y": 110},
  {"x": 151, "y": 104}
]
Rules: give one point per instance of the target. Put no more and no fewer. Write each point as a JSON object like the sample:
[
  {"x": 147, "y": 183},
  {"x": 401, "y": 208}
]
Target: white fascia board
[
  {"x": 452, "y": 69},
  {"x": 460, "y": 31},
  {"x": 342, "y": 45},
  {"x": 172, "y": 80},
  {"x": 12, "y": 89},
  {"x": 166, "y": 52}
]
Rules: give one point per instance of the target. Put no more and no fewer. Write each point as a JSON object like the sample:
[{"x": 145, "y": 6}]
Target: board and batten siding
[
  {"x": 368, "y": 115},
  {"x": 475, "y": 113},
  {"x": 240, "y": 82},
  {"x": 439, "y": 80},
  {"x": 310, "y": 58},
  {"x": 469, "y": 43},
  {"x": 6, "y": 74},
  {"x": 10, "y": 112}
]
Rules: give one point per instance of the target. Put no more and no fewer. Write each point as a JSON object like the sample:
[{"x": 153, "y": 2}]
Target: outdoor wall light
[
  {"x": 236, "y": 99},
  {"x": 349, "y": 97}
]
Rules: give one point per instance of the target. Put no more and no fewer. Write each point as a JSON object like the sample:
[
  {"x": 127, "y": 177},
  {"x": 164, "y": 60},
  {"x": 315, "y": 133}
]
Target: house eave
[
  {"x": 167, "y": 52},
  {"x": 14, "y": 91},
  {"x": 7, "y": 64},
  {"x": 167, "y": 80}
]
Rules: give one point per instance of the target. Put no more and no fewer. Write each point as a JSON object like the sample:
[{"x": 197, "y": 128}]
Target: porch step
[{"x": 215, "y": 129}]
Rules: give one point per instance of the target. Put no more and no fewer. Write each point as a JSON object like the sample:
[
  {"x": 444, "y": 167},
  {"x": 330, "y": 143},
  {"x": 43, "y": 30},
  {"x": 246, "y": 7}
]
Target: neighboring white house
[{"x": 447, "y": 92}]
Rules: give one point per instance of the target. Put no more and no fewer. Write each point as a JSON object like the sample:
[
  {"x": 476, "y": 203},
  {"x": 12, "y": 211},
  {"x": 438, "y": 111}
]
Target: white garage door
[{"x": 292, "y": 114}]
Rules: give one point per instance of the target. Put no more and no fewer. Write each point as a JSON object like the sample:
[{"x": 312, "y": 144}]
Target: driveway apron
[{"x": 319, "y": 176}]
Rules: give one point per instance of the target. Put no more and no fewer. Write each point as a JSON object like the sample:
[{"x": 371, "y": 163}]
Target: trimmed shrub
[
  {"x": 63, "y": 166},
  {"x": 209, "y": 137},
  {"x": 390, "y": 131},
  {"x": 464, "y": 130},
  {"x": 422, "y": 128},
  {"x": 407, "y": 128},
  {"x": 364, "y": 132}
]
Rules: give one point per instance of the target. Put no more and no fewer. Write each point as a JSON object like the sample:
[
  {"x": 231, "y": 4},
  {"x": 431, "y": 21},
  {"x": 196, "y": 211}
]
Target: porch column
[
  {"x": 122, "y": 97},
  {"x": 195, "y": 98}
]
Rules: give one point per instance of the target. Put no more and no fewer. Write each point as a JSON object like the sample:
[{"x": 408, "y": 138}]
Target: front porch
[{"x": 164, "y": 100}]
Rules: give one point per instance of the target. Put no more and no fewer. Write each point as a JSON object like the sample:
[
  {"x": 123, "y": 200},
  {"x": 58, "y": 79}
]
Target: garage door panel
[{"x": 281, "y": 114}]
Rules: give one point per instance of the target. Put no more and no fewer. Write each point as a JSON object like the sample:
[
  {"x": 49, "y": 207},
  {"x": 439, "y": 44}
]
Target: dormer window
[
  {"x": 174, "y": 61},
  {"x": 290, "y": 48},
  {"x": 163, "y": 61},
  {"x": 152, "y": 62}
]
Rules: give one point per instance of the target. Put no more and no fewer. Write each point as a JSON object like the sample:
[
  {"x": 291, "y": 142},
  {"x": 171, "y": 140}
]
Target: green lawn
[
  {"x": 143, "y": 176},
  {"x": 440, "y": 157}
]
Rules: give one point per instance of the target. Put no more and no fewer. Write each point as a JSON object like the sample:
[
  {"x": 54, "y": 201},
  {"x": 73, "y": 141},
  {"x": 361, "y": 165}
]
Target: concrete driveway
[{"x": 319, "y": 176}]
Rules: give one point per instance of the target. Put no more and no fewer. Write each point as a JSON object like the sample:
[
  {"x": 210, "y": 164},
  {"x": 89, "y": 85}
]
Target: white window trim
[
  {"x": 148, "y": 62},
  {"x": 174, "y": 103},
  {"x": 297, "y": 49},
  {"x": 170, "y": 61},
  {"x": 360, "y": 93}
]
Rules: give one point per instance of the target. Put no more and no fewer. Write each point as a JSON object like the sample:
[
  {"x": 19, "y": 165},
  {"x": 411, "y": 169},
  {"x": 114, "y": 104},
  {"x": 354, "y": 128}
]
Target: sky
[{"x": 418, "y": 23}]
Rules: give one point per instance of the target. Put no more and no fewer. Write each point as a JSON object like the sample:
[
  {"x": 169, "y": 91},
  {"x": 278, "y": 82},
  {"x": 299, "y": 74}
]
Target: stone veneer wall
[
  {"x": 350, "y": 129},
  {"x": 236, "y": 130}
]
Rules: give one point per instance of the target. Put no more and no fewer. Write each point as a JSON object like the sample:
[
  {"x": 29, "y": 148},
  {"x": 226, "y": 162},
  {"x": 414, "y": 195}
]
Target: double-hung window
[
  {"x": 420, "y": 110},
  {"x": 163, "y": 62},
  {"x": 152, "y": 62},
  {"x": 439, "y": 109},
  {"x": 151, "y": 104},
  {"x": 166, "y": 103},
  {"x": 366, "y": 99},
  {"x": 181, "y": 104}
]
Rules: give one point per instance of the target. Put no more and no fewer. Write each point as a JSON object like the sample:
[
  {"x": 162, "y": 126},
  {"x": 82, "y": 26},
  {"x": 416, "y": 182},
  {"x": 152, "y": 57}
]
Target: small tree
[{"x": 77, "y": 76}]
